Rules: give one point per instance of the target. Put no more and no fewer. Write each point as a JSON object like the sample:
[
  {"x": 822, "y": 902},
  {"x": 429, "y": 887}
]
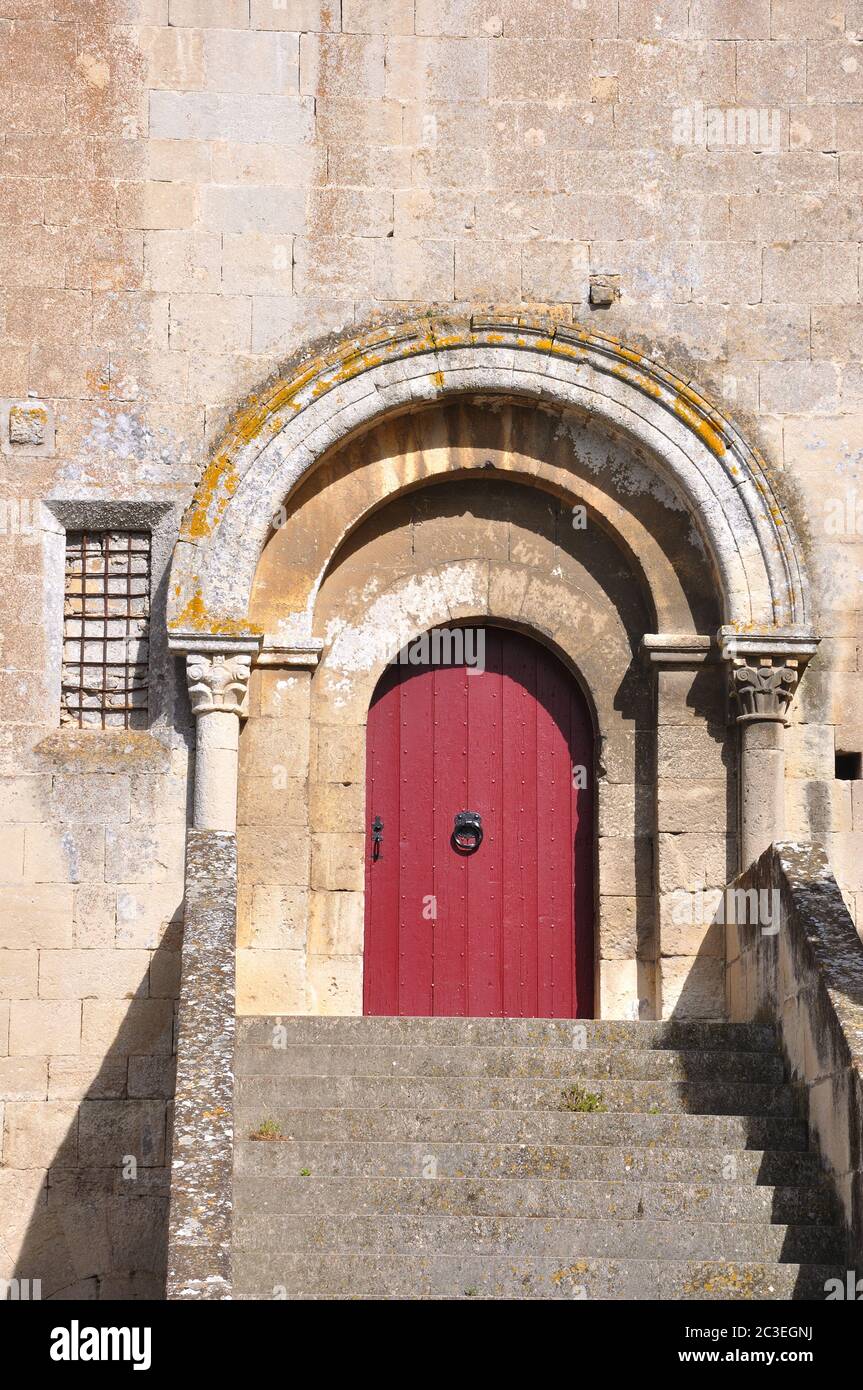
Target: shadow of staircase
[{"x": 455, "y": 1158}]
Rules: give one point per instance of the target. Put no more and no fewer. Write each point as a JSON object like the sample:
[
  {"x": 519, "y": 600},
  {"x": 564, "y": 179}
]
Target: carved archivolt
[{"x": 695, "y": 449}]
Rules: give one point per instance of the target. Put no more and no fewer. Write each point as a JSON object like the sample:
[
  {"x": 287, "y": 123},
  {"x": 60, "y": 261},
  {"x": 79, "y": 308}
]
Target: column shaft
[
  {"x": 218, "y": 690},
  {"x": 762, "y": 787},
  {"x": 216, "y": 762}
]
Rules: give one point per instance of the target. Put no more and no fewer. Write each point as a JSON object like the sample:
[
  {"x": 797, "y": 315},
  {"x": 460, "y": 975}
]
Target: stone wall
[
  {"x": 800, "y": 966},
  {"x": 89, "y": 962},
  {"x": 195, "y": 190},
  {"x": 202, "y": 1138}
]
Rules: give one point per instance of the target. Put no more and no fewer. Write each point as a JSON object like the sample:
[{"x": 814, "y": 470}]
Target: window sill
[{"x": 104, "y": 750}]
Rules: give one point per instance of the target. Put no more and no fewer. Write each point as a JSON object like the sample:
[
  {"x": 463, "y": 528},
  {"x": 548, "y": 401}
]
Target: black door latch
[
  {"x": 467, "y": 832},
  {"x": 377, "y": 837}
]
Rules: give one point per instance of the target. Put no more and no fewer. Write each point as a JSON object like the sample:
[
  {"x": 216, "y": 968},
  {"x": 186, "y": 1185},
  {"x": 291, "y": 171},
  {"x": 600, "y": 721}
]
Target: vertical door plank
[
  {"x": 381, "y": 956},
  {"x": 450, "y": 733},
  {"x": 417, "y": 844},
  {"x": 484, "y": 867},
  {"x": 520, "y": 971},
  {"x": 554, "y": 848},
  {"x": 584, "y": 809}
]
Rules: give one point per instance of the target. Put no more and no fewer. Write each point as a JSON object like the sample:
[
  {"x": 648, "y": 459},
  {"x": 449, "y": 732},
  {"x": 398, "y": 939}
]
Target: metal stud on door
[{"x": 479, "y": 900}]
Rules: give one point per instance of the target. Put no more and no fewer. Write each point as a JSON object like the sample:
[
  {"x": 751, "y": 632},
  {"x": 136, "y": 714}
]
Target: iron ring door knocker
[{"x": 467, "y": 832}]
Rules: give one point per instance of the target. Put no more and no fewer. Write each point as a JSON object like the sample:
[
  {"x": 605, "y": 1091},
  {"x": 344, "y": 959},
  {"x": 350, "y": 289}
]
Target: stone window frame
[{"x": 159, "y": 517}]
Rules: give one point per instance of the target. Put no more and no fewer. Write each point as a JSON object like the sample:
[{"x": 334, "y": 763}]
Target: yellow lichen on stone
[
  {"x": 729, "y": 1279},
  {"x": 638, "y": 379},
  {"x": 195, "y": 617},
  {"x": 700, "y": 426},
  {"x": 214, "y": 490}
]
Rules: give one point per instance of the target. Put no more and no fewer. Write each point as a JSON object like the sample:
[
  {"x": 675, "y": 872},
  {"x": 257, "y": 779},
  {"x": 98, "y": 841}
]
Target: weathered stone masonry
[{"x": 193, "y": 196}]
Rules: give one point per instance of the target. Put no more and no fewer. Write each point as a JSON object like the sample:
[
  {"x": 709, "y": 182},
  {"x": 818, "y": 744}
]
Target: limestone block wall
[
  {"x": 89, "y": 972},
  {"x": 806, "y": 978},
  {"x": 696, "y": 845},
  {"x": 274, "y": 845},
  {"x": 195, "y": 191}
]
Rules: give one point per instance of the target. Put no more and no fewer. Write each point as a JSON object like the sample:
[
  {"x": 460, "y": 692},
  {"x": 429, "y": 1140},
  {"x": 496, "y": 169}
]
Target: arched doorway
[
  {"x": 303, "y": 556},
  {"x": 492, "y": 917},
  {"x": 690, "y": 508}
]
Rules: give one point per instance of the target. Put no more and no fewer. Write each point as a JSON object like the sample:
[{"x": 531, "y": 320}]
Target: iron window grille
[{"x": 106, "y": 629}]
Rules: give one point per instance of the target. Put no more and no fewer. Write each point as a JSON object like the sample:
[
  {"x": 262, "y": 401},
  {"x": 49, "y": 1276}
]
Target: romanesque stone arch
[
  {"x": 276, "y": 442},
  {"x": 330, "y": 408}
]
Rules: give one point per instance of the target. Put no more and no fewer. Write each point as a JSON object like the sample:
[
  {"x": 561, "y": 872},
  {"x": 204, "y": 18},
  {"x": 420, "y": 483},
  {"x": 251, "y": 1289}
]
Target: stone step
[
  {"x": 261, "y": 1096},
  {"x": 304, "y": 1192},
  {"x": 348, "y": 1275},
  {"x": 404, "y": 1136},
  {"x": 333, "y": 1060},
  {"x": 509, "y": 1032},
  {"x": 559, "y": 1237},
  {"x": 282, "y": 1160},
  {"x": 726, "y": 1132}
]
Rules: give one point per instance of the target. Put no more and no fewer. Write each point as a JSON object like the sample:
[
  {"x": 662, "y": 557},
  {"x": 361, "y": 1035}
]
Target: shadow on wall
[
  {"x": 785, "y": 1211},
  {"x": 98, "y": 1223},
  {"x": 700, "y": 853}
]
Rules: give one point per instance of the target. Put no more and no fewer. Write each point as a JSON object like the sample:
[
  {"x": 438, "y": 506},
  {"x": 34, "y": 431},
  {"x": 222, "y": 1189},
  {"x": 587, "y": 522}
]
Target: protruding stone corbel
[
  {"x": 218, "y": 681},
  {"x": 667, "y": 650}
]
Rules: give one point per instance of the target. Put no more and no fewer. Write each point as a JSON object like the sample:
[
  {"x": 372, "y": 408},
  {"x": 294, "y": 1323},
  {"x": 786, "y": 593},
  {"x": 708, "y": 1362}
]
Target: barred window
[{"x": 106, "y": 629}]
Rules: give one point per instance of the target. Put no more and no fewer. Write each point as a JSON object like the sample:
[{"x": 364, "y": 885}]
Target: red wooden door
[{"x": 507, "y": 929}]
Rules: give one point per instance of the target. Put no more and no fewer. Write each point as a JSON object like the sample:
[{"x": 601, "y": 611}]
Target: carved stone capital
[
  {"x": 763, "y": 689},
  {"x": 218, "y": 682}
]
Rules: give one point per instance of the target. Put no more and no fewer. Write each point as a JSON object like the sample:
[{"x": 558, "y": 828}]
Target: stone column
[
  {"x": 199, "y": 1227},
  {"x": 218, "y": 691},
  {"x": 762, "y": 689},
  {"x": 202, "y": 1150}
]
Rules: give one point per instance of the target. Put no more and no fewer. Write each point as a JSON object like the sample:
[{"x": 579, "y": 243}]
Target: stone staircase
[{"x": 457, "y": 1158}]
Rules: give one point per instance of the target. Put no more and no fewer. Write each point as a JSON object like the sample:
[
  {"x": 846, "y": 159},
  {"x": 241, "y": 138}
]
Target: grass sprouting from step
[
  {"x": 268, "y": 1129},
  {"x": 579, "y": 1099}
]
